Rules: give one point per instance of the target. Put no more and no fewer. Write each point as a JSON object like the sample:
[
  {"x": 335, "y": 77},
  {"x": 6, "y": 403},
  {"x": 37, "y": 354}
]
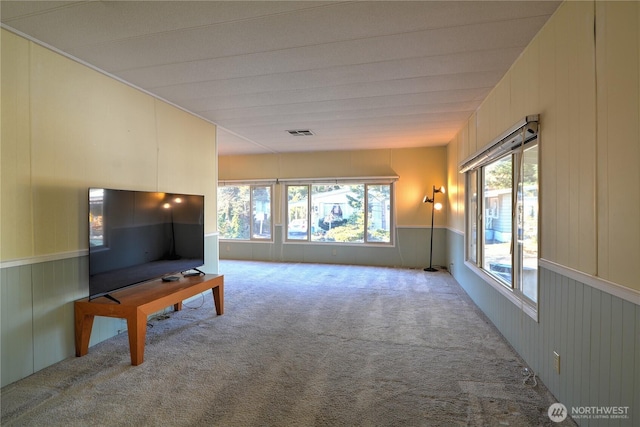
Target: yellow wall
[
  {"x": 587, "y": 94},
  {"x": 66, "y": 127},
  {"x": 418, "y": 168},
  {"x": 618, "y": 148}
]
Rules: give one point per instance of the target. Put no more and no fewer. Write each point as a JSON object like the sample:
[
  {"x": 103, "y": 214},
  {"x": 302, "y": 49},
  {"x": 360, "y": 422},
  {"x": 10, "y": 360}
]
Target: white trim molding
[
  {"x": 426, "y": 227},
  {"x": 101, "y": 71},
  {"x": 627, "y": 294},
  {"x": 43, "y": 258},
  {"x": 386, "y": 179},
  {"x": 453, "y": 230},
  {"x": 59, "y": 256},
  {"x": 512, "y": 296}
]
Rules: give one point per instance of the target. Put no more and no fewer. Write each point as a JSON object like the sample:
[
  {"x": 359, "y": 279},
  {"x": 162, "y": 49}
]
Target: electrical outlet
[{"x": 556, "y": 362}]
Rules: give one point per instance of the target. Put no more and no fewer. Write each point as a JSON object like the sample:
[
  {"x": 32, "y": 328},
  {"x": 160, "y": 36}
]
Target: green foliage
[
  {"x": 233, "y": 212},
  {"x": 499, "y": 175},
  {"x": 379, "y": 236},
  {"x": 352, "y": 231},
  {"x": 345, "y": 233},
  {"x": 296, "y": 193}
]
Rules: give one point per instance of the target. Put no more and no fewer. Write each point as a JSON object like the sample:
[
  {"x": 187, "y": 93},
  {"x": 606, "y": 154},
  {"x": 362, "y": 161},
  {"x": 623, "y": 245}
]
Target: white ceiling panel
[
  {"x": 360, "y": 74},
  {"x": 303, "y": 100},
  {"x": 102, "y": 22},
  {"x": 314, "y": 82},
  {"x": 230, "y": 70},
  {"x": 150, "y": 52}
]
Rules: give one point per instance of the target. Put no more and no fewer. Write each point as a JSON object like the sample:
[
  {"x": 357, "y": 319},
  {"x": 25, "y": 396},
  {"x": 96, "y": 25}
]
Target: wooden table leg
[
  {"x": 218, "y": 298},
  {"x": 137, "y": 330},
  {"x": 83, "y": 325}
]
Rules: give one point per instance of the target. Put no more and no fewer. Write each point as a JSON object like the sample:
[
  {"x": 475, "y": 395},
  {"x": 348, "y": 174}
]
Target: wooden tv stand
[{"x": 137, "y": 303}]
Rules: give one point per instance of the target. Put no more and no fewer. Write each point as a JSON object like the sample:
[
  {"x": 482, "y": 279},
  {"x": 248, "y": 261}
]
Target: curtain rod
[
  {"x": 504, "y": 143},
  {"x": 322, "y": 180}
]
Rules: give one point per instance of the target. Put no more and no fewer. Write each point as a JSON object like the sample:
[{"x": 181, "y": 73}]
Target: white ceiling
[{"x": 359, "y": 75}]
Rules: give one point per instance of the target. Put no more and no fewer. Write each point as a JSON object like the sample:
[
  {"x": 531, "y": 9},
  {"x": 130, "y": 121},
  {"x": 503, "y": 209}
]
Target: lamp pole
[{"x": 433, "y": 208}]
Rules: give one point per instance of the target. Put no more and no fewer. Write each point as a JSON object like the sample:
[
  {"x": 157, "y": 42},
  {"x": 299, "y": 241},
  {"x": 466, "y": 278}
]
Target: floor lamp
[{"x": 434, "y": 207}]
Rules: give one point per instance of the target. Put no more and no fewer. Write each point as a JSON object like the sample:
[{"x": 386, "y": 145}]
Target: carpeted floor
[{"x": 298, "y": 345}]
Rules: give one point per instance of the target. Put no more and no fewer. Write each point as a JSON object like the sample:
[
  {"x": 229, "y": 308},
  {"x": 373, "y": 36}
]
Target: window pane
[
  {"x": 337, "y": 213},
  {"x": 297, "y": 212},
  {"x": 528, "y": 223},
  {"x": 96, "y": 225},
  {"x": 497, "y": 189},
  {"x": 472, "y": 217},
  {"x": 261, "y": 210},
  {"x": 233, "y": 212},
  {"x": 379, "y": 209}
]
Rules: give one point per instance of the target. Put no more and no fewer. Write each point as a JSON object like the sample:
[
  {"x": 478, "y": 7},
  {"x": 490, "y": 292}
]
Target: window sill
[
  {"x": 246, "y": 240},
  {"x": 509, "y": 294},
  {"x": 350, "y": 244}
]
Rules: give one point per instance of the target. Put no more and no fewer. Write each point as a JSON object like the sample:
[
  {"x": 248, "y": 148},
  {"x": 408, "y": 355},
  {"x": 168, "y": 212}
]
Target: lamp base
[{"x": 430, "y": 269}]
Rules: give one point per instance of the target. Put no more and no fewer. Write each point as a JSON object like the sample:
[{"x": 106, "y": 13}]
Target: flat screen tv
[{"x": 137, "y": 236}]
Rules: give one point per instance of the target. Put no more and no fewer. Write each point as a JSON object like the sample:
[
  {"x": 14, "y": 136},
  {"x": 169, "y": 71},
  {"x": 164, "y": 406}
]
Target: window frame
[
  {"x": 251, "y": 205},
  {"x": 366, "y": 208},
  {"x": 475, "y": 245},
  {"x": 102, "y": 202}
]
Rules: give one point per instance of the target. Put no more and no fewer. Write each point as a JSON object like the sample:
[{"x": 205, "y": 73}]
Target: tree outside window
[{"x": 244, "y": 212}]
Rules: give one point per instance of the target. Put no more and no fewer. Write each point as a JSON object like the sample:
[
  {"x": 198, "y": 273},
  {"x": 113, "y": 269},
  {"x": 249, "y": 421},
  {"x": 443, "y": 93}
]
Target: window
[
  {"x": 507, "y": 248},
  {"x": 347, "y": 213},
  {"x": 472, "y": 217},
  {"x": 261, "y": 212},
  {"x": 528, "y": 223},
  {"x": 298, "y": 212},
  {"x": 497, "y": 188},
  {"x": 244, "y": 212},
  {"x": 96, "y": 218},
  {"x": 379, "y": 213},
  {"x": 502, "y": 213}
]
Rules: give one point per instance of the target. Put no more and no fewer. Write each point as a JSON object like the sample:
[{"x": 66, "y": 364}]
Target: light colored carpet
[{"x": 298, "y": 345}]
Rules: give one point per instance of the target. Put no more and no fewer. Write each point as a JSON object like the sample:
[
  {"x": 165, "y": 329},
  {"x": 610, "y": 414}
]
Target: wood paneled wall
[
  {"x": 581, "y": 74},
  {"x": 618, "y": 149},
  {"x": 66, "y": 127},
  {"x": 594, "y": 333}
]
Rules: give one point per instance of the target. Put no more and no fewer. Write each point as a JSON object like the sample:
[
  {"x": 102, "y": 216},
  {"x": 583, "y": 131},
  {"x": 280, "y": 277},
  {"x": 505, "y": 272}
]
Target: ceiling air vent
[{"x": 300, "y": 132}]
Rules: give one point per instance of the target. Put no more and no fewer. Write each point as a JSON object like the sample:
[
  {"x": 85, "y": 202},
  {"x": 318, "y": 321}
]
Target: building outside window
[
  {"x": 336, "y": 213},
  {"x": 318, "y": 212}
]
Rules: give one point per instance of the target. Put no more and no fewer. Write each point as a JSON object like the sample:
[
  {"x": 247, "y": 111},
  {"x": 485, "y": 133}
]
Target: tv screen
[{"x": 137, "y": 236}]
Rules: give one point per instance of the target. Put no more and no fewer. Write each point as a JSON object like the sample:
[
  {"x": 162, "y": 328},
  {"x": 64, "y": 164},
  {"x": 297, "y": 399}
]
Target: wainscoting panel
[
  {"x": 37, "y": 315},
  {"x": 37, "y": 310},
  {"x": 594, "y": 332},
  {"x": 55, "y": 286},
  {"x": 411, "y": 250},
  {"x": 16, "y": 324},
  {"x": 211, "y": 247}
]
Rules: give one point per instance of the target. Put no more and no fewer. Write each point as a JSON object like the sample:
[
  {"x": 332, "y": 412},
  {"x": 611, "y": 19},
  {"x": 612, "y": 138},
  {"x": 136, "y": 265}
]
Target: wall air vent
[{"x": 300, "y": 132}]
